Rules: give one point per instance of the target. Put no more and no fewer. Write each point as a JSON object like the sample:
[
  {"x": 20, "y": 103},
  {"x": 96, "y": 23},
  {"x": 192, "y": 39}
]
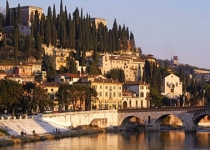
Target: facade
[
  {"x": 2, "y": 74},
  {"x": 172, "y": 87},
  {"x": 97, "y": 21},
  {"x": 131, "y": 64},
  {"x": 7, "y": 67},
  {"x": 67, "y": 78},
  {"x": 131, "y": 101},
  {"x": 60, "y": 55},
  {"x": 140, "y": 94},
  {"x": 52, "y": 89},
  {"x": 28, "y": 14},
  {"x": 109, "y": 91}
]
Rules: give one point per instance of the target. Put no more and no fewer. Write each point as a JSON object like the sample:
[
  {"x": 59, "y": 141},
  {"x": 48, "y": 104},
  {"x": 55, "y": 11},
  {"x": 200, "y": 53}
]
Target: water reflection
[{"x": 168, "y": 140}]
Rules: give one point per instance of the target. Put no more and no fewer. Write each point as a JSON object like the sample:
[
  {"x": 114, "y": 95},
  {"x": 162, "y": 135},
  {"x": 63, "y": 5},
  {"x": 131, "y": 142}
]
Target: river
[{"x": 164, "y": 140}]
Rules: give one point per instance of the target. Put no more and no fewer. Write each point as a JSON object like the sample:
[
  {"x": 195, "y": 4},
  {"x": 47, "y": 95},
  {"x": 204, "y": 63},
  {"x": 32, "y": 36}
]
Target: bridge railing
[{"x": 167, "y": 108}]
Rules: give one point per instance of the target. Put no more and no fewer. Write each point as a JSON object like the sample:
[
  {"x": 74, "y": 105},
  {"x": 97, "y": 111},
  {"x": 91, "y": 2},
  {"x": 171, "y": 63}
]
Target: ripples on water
[{"x": 168, "y": 140}]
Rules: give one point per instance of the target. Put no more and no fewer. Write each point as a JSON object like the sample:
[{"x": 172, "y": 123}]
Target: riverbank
[{"x": 79, "y": 131}]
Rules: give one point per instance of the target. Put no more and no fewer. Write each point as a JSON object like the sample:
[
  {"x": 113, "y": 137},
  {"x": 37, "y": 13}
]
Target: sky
[{"x": 162, "y": 28}]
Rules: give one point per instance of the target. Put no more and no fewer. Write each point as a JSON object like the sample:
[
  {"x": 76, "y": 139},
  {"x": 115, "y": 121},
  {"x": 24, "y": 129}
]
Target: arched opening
[
  {"x": 169, "y": 122},
  {"x": 203, "y": 122},
  {"x": 133, "y": 123},
  {"x": 125, "y": 105}
]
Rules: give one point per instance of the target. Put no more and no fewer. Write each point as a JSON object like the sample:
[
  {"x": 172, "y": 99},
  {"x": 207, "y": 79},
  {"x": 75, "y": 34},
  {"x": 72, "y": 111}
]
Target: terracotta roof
[
  {"x": 13, "y": 76},
  {"x": 91, "y": 76},
  {"x": 106, "y": 81},
  {"x": 2, "y": 72},
  {"x": 49, "y": 84},
  {"x": 135, "y": 83}
]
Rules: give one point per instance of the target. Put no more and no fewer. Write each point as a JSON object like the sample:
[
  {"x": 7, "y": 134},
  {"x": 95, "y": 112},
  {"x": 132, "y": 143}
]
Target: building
[
  {"x": 67, "y": 78},
  {"x": 132, "y": 65},
  {"x": 97, "y": 21},
  {"x": 2, "y": 74},
  {"x": 60, "y": 55},
  {"x": 28, "y": 13},
  {"x": 131, "y": 101},
  {"x": 52, "y": 89},
  {"x": 109, "y": 91},
  {"x": 172, "y": 87},
  {"x": 140, "y": 96}
]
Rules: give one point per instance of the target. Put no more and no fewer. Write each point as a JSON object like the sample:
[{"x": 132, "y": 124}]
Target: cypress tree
[
  {"x": 54, "y": 14},
  {"x": 53, "y": 35},
  {"x": 15, "y": 40},
  {"x": 132, "y": 41},
  {"x": 47, "y": 32},
  {"x": 7, "y": 22},
  {"x": 19, "y": 14},
  {"x": 49, "y": 15}
]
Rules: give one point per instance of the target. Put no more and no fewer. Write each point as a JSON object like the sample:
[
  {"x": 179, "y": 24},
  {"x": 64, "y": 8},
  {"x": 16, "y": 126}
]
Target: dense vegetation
[
  {"x": 64, "y": 30},
  {"x": 31, "y": 98},
  {"x": 76, "y": 31}
]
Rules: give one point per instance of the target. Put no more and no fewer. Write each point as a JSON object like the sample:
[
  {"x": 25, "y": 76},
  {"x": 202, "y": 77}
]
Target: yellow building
[
  {"x": 97, "y": 21},
  {"x": 109, "y": 91},
  {"x": 28, "y": 13}
]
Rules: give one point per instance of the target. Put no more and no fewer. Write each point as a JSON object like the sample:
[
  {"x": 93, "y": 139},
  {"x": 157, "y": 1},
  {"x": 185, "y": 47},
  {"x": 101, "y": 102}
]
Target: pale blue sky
[{"x": 164, "y": 28}]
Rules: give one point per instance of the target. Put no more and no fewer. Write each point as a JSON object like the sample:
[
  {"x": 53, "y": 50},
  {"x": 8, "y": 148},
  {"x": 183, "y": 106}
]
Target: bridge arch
[
  {"x": 124, "y": 125},
  {"x": 198, "y": 115},
  {"x": 173, "y": 120}
]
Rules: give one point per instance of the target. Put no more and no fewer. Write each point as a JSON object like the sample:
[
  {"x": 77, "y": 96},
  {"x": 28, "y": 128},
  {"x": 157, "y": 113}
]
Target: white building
[
  {"x": 140, "y": 94},
  {"x": 131, "y": 64},
  {"x": 172, "y": 87},
  {"x": 67, "y": 78}
]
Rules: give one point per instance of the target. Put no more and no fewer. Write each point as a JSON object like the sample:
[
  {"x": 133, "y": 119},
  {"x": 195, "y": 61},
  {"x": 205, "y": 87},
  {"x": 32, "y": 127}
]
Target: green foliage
[
  {"x": 92, "y": 68},
  {"x": 49, "y": 67},
  {"x": 71, "y": 94},
  {"x": 10, "y": 94},
  {"x": 72, "y": 66},
  {"x": 116, "y": 74}
]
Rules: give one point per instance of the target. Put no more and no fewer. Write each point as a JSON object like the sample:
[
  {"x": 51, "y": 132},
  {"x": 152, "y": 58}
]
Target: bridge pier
[
  {"x": 152, "y": 126},
  {"x": 189, "y": 126}
]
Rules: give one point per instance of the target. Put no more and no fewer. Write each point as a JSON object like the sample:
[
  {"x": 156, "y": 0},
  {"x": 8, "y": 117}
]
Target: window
[
  {"x": 119, "y": 94},
  {"x": 141, "y": 94},
  {"x": 114, "y": 94},
  {"x": 110, "y": 94},
  {"x": 51, "y": 90},
  {"x": 100, "y": 93},
  {"x": 100, "y": 87},
  {"x": 106, "y": 94},
  {"x": 119, "y": 88},
  {"x": 106, "y": 87},
  {"x": 142, "y": 87}
]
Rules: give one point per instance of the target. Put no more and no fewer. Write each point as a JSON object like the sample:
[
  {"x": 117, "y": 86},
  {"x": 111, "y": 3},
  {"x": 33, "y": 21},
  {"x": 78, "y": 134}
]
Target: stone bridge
[{"x": 152, "y": 117}]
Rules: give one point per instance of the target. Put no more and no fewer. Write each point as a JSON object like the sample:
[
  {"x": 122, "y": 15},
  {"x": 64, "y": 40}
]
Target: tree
[
  {"x": 7, "y": 22},
  {"x": 26, "y": 104},
  {"x": 40, "y": 100},
  {"x": 15, "y": 39},
  {"x": 116, "y": 74},
  {"x": 72, "y": 66},
  {"x": 47, "y": 32},
  {"x": 19, "y": 14},
  {"x": 10, "y": 94},
  {"x": 49, "y": 67}
]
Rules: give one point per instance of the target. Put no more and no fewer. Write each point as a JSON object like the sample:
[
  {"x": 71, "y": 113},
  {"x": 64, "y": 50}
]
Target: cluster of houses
[{"x": 112, "y": 94}]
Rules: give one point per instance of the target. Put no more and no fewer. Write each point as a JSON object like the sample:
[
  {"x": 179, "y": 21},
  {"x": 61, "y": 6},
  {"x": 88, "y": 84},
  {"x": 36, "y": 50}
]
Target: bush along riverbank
[{"x": 79, "y": 131}]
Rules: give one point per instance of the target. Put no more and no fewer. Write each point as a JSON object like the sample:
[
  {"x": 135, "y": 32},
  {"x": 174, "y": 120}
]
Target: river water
[{"x": 164, "y": 140}]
